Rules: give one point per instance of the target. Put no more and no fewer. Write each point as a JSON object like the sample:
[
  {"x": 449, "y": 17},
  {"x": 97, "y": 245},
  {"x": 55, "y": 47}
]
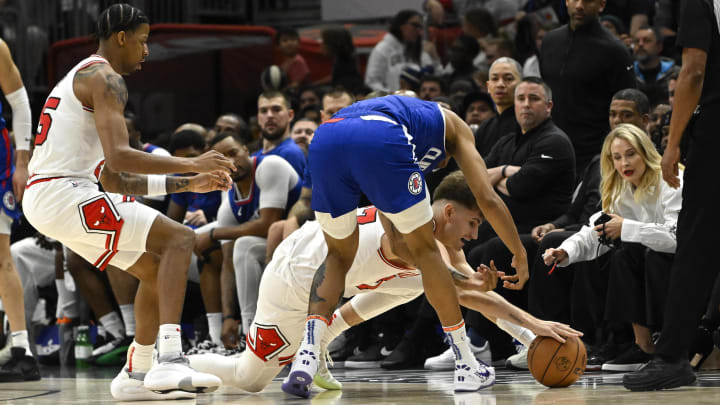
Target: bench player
[{"x": 82, "y": 139}]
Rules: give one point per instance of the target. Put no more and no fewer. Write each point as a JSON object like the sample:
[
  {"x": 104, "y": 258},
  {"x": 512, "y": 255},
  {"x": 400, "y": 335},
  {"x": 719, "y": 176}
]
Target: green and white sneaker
[{"x": 323, "y": 378}]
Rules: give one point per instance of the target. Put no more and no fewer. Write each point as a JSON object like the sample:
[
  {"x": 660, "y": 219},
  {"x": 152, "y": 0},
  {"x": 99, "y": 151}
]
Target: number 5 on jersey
[{"x": 52, "y": 103}]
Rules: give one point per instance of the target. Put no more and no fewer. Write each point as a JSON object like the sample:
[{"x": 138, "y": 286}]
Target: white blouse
[{"x": 651, "y": 222}]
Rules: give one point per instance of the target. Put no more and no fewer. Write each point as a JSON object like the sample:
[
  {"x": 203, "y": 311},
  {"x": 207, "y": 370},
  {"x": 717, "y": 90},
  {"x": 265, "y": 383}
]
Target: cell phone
[{"x": 602, "y": 219}]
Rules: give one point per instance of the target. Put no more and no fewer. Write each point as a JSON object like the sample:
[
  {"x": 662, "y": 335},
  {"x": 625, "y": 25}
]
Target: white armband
[
  {"x": 20, "y": 105},
  {"x": 156, "y": 184}
]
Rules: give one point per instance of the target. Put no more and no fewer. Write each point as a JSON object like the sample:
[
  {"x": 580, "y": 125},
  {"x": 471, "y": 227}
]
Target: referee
[{"x": 695, "y": 268}]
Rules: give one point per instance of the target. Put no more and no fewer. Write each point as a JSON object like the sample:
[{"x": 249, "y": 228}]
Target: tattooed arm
[
  {"x": 100, "y": 87},
  {"x": 137, "y": 184}
]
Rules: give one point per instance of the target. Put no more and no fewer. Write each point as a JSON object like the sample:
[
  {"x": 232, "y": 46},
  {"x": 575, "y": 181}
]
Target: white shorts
[
  {"x": 5, "y": 223},
  {"x": 103, "y": 228}
]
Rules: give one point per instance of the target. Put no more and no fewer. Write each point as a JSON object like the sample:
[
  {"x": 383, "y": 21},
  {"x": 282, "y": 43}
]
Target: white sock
[
  {"x": 139, "y": 357},
  {"x": 67, "y": 302},
  {"x": 128, "y": 314},
  {"x": 337, "y": 326},
  {"x": 523, "y": 335},
  {"x": 215, "y": 327},
  {"x": 113, "y": 324},
  {"x": 169, "y": 340},
  {"x": 458, "y": 341},
  {"x": 315, "y": 328},
  {"x": 20, "y": 339}
]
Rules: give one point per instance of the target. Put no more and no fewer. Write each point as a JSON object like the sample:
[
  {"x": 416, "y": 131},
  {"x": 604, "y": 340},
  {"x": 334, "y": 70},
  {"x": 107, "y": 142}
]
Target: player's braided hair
[{"x": 119, "y": 17}]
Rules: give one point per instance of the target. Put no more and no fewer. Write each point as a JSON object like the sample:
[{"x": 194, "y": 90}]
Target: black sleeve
[
  {"x": 587, "y": 201},
  {"x": 493, "y": 158},
  {"x": 622, "y": 74},
  {"x": 695, "y": 27},
  {"x": 550, "y": 156}
]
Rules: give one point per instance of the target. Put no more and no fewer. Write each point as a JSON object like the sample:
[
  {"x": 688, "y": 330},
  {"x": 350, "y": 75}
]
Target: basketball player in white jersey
[
  {"x": 378, "y": 280},
  {"x": 82, "y": 139}
]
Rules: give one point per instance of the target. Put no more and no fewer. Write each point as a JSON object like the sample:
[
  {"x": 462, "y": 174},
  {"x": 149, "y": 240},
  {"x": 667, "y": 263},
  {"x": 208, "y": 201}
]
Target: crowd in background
[{"x": 570, "y": 107}]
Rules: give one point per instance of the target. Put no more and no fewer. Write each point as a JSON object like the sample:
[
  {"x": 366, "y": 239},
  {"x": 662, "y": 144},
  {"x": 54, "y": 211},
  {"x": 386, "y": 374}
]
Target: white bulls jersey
[
  {"x": 67, "y": 142},
  {"x": 305, "y": 250}
]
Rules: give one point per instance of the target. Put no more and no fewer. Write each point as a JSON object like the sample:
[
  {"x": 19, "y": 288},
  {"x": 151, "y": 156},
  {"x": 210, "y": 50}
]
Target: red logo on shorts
[
  {"x": 415, "y": 183},
  {"x": 268, "y": 341}
]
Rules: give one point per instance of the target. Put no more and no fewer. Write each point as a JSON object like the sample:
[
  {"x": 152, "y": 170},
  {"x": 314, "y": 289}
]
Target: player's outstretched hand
[
  {"x": 522, "y": 275},
  {"x": 207, "y": 182},
  {"x": 211, "y": 161},
  {"x": 486, "y": 278},
  {"x": 555, "y": 330}
]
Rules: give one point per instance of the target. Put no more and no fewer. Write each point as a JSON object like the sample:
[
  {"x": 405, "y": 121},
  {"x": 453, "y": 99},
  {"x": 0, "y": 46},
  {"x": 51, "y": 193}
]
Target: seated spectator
[
  {"x": 402, "y": 45},
  {"x": 431, "y": 87},
  {"x": 652, "y": 70},
  {"x": 265, "y": 187},
  {"x": 616, "y": 27},
  {"x": 410, "y": 77},
  {"x": 497, "y": 48},
  {"x": 462, "y": 53},
  {"x": 478, "y": 108},
  {"x": 337, "y": 43},
  {"x": 531, "y": 168},
  {"x": 480, "y": 24},
  {"x": 459, "y": 89},
  {"x": 656, "y": 115},
  {"x": 309, "y": 96},
  {"x": 547, "y": 294},
  {"x": 504, "y": 76},
  {"x": 302, "y": 133},
  {"x": 637, "y": 226},
  {"x": 293, "y": 65}
]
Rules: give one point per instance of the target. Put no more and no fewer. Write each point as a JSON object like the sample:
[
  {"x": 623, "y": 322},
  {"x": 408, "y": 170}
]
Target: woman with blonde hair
[{"x": 637, "y": 225}]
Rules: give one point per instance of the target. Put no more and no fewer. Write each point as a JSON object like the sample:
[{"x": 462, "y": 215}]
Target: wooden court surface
[{"x": 376, "y": 386}]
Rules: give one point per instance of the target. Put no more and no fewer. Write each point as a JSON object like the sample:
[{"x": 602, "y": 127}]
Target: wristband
[
  {"x": 156, "y": 184},
  {"x": 503, "y": 170}
]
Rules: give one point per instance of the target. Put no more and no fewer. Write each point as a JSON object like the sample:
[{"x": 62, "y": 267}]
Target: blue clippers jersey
[
  {"x": 247, "y": 209},
  {"x": 7, "y": 163},
  {"x": 423, "y": 121},
  {"x": 289, "y": 151},
  {"x": 208, "y": 202}
]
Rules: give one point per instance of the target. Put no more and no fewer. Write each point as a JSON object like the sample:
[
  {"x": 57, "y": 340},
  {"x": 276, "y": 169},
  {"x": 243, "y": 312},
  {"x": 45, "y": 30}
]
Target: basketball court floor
[{"x": 375, "y": 386}]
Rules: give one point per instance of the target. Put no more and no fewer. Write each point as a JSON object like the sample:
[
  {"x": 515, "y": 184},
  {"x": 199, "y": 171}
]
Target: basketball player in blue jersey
[
  {"x": 382, "y": 147},
  {"x": 13, "y": 174}
]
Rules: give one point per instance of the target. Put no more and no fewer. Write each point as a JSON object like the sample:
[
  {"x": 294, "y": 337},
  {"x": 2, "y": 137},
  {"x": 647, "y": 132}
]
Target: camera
[{"x": 602, "y": 219}]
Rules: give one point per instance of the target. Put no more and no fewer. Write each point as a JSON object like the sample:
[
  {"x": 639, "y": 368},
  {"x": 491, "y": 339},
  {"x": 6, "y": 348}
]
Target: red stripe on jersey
[
  {"x": 98, "y": 168},
  {"x": 331, "y": 120},
  {"x": 390, "y": 262},
  {"x": 92, "y": 62},
  {"x": 8, "y": 164},
  {"x": 42, "y": 181}
]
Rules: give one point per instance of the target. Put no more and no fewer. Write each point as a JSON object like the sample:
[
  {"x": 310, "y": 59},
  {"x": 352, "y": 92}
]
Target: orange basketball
[{"x": 554, "y": 364}]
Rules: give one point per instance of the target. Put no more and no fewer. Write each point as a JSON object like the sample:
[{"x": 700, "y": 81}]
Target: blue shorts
[{"x": 371, "y": 154}]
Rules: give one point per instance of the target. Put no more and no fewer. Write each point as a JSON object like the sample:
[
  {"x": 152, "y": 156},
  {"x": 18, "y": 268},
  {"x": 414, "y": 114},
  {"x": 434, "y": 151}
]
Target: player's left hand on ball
[
  {"x": 556, "y": 330},
  {"x": 517, "y": 281}
]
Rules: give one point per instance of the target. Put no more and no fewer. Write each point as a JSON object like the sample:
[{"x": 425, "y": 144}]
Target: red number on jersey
[
  {"x": 46, "y": 120},
  {"x": 368, "y": 216}
]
